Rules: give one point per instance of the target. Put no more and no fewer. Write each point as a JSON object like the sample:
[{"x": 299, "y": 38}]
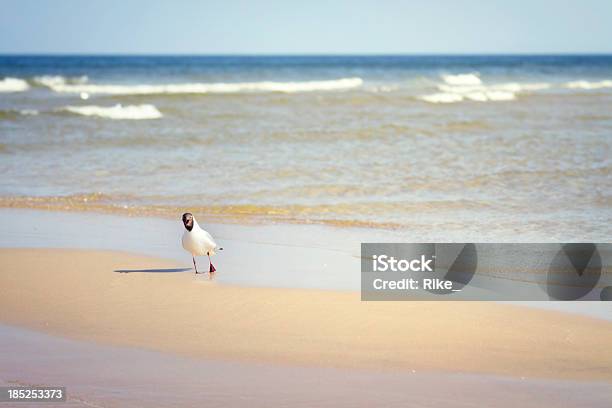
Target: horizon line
[{"x": 415, "y": 54}]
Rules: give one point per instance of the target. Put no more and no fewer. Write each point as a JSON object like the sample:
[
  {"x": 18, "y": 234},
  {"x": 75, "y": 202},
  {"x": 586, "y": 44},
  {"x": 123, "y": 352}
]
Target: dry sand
[{"x": 78, "y": 294}]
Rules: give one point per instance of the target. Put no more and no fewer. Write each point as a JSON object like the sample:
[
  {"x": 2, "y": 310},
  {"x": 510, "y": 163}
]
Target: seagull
[{"x": 198, "y": 242}]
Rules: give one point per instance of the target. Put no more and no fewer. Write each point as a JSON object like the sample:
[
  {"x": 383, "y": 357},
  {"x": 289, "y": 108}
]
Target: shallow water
[{"x": 494, "y": 147}]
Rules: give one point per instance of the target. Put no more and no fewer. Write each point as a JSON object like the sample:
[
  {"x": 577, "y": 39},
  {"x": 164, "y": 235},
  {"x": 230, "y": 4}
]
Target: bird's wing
[{"x": 210, "y": 238}]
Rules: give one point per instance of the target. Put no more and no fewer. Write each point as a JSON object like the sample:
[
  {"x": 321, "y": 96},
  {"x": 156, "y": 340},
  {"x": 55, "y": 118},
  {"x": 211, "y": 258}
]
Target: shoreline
[
  {"x": 238, "y": 214},
  {"x": 187, "y": 315},
  {"x": 256, "y": 255}
]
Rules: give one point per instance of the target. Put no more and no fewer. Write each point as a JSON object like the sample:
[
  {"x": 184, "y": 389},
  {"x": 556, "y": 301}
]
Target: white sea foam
[
  {"x": 477, "y": 96},
  {"x": 462, "y": 79},
  {"x": 29, "y": 112},
  {"x": 524, "y": 87},
  {"x": 384, "y": 88},
  {"x": 13, "y": 85},
  {"x": 512, "y": 87},
  {"x": 469, "y": 87},
  {"x": 134, "y": 112},
  {"x": 205, "y": 88},
  {"x": 58, "y": 80},
  {"x": 442, "y": 97},
  {"x": 589, "y": 85}
]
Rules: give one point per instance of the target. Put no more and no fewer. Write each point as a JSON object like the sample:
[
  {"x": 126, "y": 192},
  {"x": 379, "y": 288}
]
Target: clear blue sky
[{"x": 305, "y": 26}]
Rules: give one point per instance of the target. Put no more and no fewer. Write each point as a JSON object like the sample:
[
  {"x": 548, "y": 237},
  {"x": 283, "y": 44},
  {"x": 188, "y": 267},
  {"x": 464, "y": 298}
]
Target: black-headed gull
[{"x": 198, "y": 242}]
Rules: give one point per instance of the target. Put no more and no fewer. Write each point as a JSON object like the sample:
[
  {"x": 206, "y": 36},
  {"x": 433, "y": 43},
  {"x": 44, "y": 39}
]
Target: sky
[{"x": 305, "y": 27}]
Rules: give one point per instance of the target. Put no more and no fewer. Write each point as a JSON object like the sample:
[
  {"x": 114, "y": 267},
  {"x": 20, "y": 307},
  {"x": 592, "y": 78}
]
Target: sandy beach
[
  {"x": 407, "y": 205},
  {"x": 153, "y": 305},
  {"x": 135, "y": 327},
  {"x": 99, "y": 375}
]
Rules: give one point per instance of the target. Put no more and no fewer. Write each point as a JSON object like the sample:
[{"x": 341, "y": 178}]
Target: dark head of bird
[{"x": 188, "y": 221}]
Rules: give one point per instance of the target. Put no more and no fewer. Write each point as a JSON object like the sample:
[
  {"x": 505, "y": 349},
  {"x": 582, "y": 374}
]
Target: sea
[{"x": 482, "y": 147}]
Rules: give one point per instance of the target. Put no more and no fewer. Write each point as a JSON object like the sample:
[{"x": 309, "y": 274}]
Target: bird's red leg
[
  {"x": 194, "y": 265},
  {"x": 212, "y": 268}
]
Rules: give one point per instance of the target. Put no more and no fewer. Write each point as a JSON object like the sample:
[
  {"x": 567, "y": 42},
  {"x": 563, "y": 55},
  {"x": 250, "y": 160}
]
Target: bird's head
[{"x": 188, "y": 221}]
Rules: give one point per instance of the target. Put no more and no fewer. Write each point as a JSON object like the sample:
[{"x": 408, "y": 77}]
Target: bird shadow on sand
[{"x": 169, "y": 270}]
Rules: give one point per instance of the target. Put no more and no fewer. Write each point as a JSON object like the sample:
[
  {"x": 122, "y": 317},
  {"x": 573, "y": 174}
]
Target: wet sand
[
  {"x": 277, "y": 255},
  {"x": 107, "y": 376},
  {"x": 164, "y": 337},
  {"x": 79, "y": 294}
]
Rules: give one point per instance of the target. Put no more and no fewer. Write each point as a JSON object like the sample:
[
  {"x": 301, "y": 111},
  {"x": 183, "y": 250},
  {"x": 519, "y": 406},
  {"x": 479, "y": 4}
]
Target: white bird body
[{"x": 198, "y": 241}]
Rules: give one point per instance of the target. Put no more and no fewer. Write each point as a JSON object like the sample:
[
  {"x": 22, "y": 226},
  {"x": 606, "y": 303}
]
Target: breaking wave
[
  {"x": 469, "y": 87},
  {"x": 58, "y": 80},
  {"x": 451, "y": 88},
  {"x": 133, "y": 112},
  {"x": 13, "y": 85},
  {"x": 209, "y": 88},
  {"x": 462, "y": 79},
  {"x": 28, "y": 112},
  {"x": 14, "y": 113},
  {"x": 589, "y": 85}
]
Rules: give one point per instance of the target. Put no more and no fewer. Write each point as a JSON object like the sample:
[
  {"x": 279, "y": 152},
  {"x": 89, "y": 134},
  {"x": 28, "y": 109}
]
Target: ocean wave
[
  {"x": 462, "y": 79},
  {"x": 9, "y": 84},
  {"x": 512, "y": 87},
  {"x": 442, "y": 97},
  {"x": 134, "y": 112},
  {"x": 14, "y": 114},
  {"x": 589, "y": 85},
  {"x": 384, "y": 88},
  {"x": 209, "y": 88},
  {"x": 58, "y": 80},
  {"x": 449, "y": 97},
  {"x": 469, "y": 87},
  {"x": 28, "y": 112}
]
